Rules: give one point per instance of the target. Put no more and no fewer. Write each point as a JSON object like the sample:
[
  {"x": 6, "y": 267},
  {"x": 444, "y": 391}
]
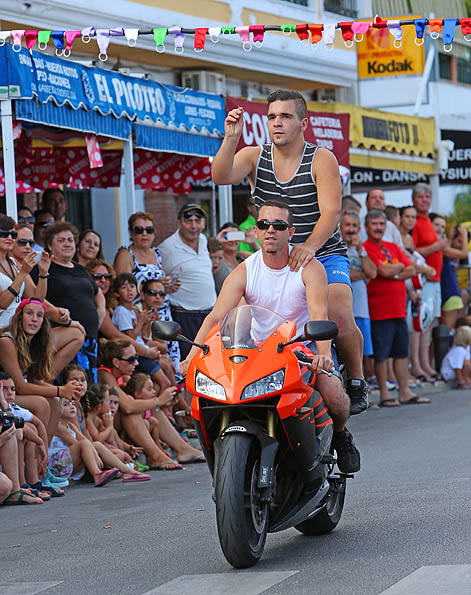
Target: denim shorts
[{"x": 337, "y": 268}]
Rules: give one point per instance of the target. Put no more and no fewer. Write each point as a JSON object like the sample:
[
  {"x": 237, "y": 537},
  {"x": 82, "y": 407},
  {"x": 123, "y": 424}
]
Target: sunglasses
[
  {"x": 45, "y": 223},
  {"x": 140, "y": 230},
  {"x": 190, "y": 214},
  {"x": 264, "y": 224},
  {"x": 130, "y": 360},
  {"x": 155, "y": 292},
  {"x": 26, "y": 220},
  {"x": 98, "y": 276},
  {"x": 4, "y": 233},
  {"x": 24, "y": 241},
  {"x": 387, "y": 254}
]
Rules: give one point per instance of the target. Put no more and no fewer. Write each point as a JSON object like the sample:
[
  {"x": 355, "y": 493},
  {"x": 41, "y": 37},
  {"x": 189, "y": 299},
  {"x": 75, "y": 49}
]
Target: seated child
[
  {"x": 70, "y": 452},
  {"x": 78, "y": 374},
  {"x": 456, "y": 363},
  {"x": 131, "y": 321},
  {"x": 32, "y": 449}
]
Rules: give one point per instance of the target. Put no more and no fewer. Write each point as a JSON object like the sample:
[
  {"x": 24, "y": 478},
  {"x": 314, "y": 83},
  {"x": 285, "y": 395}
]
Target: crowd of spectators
[
  {"x": 94, "y": 395},
  {"x": 404, "y": 271}
]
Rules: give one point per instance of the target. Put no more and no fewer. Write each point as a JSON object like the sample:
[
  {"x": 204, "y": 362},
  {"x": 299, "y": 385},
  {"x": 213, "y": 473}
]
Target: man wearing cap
[{"x": 185, "y": 256}]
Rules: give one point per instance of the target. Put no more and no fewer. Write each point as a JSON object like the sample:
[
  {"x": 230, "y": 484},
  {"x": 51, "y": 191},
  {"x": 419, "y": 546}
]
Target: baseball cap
[{"x": 191, "y": 208}]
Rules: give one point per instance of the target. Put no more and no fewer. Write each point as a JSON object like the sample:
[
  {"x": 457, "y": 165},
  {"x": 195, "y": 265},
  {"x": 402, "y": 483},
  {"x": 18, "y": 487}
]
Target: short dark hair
[
  {"x": 289, "y": 95},
  {"x": 214, "y": 245},
  {"x": 148, "y": 282},
  {"x": 48, "y": 193},
  {"x": 227, "y": 225},
  {"x": 391, "y": 212},
  {"x": 402, "y": 210},
  {"x": 122, "y": 278},
  {"x": 279, "y": 204},
  {"x": 375, "y": 214}
]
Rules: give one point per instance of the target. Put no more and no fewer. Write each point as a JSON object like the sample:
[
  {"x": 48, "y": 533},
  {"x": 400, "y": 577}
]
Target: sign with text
[
  {"x": 378, "y": 55},
  {"x": 327, "y": 130}
]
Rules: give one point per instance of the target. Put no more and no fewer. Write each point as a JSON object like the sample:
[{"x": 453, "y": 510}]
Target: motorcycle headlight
[
  {"x": 208, "y": 387},
  {"x": 269, "y": 384}
]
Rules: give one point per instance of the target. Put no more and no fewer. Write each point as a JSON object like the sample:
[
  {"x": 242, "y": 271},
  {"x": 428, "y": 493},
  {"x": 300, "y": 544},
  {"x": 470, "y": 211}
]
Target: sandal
[
  {"x": 131, "y": 476},
  {"x": 27, "y": 489},
  {"x": 103, "y": 477},
  {"x": 389, "y": 403},
  {"x": 54, "y": 492},
  {"x": 21, "y": 499}
]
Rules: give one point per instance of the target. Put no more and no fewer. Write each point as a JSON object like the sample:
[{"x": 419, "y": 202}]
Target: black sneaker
[
  {"x": 348, "y": 455},
  {"x": 357, "y": 390}
]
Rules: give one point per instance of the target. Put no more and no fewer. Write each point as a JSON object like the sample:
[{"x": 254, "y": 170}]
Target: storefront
[{"x": 129, "y": 132}]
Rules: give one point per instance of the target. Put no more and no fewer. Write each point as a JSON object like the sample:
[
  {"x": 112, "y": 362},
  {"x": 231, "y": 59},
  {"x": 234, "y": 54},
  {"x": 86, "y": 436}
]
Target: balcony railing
[
  {"x": 301, "y": 2},
  {"x": 347, "y": 8}
]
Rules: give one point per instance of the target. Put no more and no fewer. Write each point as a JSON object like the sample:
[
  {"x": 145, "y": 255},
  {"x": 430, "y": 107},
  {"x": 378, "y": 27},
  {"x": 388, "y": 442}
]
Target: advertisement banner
[
  {"x": 327, "y": 130},
  {"x": 27, "y": 75},
  {"x": 459, "y": 159},
  {"x": 378, "y": 55}
]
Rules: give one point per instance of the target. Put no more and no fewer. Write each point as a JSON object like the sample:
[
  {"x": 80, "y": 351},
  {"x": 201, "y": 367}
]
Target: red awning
[{"x": 328, "y": 130}]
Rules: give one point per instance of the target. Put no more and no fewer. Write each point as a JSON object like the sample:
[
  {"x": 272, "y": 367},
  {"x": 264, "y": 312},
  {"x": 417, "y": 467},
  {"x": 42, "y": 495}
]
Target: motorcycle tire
[
  {"x": 328, "y": 518},
  {"x": 242, "y": 519}
]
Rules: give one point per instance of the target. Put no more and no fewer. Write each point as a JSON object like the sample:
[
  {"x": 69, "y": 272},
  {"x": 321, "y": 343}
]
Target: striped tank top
[{"x": 300, "y": 193}]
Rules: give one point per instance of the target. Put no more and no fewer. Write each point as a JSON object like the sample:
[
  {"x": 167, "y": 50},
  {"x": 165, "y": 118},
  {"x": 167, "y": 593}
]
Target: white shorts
[{"x": 432, "y": 290}]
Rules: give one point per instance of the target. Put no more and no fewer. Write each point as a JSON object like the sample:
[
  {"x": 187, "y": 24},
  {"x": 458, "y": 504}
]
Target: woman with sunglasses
[
  {"x": 29, "y": 355},
  {"x": 89, "y": 247},
  {"x": 143, "y": 260},
  {"x": 103, "y": 274},
  {"x": 23, "y": 245},
  {"x": 15, "y": 281},
  {"x": 26, "y": 217}
]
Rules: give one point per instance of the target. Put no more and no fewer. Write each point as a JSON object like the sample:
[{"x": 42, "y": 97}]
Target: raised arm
[{"x": 229, "y": 167}]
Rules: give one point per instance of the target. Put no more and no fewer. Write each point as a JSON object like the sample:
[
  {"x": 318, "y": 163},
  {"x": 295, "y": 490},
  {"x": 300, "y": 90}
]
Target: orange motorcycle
[{"x": 265, "y": 432}]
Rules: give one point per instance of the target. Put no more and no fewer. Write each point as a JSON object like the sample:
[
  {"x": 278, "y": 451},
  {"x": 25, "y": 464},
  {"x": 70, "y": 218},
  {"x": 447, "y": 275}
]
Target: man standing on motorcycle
[
  {"x": 266, "y": 279},
  {"x": 307, "y": 178}
]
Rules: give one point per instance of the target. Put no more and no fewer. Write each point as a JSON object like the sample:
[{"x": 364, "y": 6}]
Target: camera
[{"x": 7, "y": 419}]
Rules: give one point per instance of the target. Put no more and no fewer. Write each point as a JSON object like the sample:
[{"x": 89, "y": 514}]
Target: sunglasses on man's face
[
  {"x": 26, "y": 219},
  {"x": 24, "y": 242},
  {"x": 264, "y": 224},
  {"x": 154, "y": 292},
  {"x": 130, "y": 360},
  {"x": 139, "y": 230},
  {"x": 99, "y": 276},
  {"x": 190, "y": 214},
  {"x": 4, "y": 233}
]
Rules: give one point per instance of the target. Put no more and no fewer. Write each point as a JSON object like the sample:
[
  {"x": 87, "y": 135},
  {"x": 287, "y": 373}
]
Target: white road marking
[
  {"x": 27, "y": 588},
  {"x": 434, "y": 580},
  {"x": 236, "y": 583}
]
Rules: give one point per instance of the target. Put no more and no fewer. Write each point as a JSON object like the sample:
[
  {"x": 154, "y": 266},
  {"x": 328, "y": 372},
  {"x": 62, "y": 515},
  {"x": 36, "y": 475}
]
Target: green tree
[{"x": 462, "y": 207}]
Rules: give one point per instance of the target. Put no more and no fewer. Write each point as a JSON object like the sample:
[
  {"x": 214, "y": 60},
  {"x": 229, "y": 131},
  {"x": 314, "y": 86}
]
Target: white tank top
[{"x": 281, "y": 291}]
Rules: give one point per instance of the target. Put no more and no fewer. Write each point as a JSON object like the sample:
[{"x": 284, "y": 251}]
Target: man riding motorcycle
[{"x": 265, "y": 279}]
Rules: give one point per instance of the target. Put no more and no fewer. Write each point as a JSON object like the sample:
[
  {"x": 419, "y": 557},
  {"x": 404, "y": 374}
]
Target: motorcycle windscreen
[{"x": 248, "y": 327}]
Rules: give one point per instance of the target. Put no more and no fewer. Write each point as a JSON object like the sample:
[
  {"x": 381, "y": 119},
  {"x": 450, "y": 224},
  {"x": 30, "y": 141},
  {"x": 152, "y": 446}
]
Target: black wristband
[
  {"x": 58, "y": 391},
  {"x": 43, "y": 276},
  {"x": 13, "y": 291}
]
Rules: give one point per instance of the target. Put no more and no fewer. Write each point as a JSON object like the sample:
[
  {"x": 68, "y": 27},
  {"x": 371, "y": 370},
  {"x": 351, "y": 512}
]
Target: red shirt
[
  {"x": 386, "y": 297},
  {"x": 424, "y": 235}
]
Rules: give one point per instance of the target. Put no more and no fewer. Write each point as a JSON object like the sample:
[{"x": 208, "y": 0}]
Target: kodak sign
[{"x": 378, "y": 56}]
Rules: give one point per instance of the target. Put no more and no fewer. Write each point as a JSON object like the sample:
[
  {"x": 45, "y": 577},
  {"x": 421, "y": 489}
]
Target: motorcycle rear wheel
[
  {"x": 242, "y": 519},
  {"x": 328, "y": 518}
]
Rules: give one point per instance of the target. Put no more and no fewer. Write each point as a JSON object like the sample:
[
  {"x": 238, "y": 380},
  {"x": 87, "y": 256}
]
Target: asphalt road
[{"x": 406, "y": 525}]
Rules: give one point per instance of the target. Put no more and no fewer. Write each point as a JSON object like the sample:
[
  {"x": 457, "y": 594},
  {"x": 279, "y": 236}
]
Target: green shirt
[{"x": 247, "y": 224}]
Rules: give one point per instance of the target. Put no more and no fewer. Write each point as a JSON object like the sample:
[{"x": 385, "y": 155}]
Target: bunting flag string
[{"x": 351, "y": 31}]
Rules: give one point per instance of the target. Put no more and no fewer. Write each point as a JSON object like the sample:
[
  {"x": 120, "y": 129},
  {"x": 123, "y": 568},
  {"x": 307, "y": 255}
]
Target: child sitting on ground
[
  {"x": 456, "y": 363},
  {"x": 70, "y": 451},
  {"x": 78, "y": 374}
]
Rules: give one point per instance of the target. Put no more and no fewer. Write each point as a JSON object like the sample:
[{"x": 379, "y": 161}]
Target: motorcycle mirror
[
  {"x": 320, "y": 330},
  {"x": 166, "y": 330}
]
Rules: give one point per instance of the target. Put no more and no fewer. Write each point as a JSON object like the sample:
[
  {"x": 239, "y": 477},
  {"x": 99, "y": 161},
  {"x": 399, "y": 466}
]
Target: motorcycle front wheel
[
  {"x": 242, "y": 518},
  {"x": 328, "y": 518}
]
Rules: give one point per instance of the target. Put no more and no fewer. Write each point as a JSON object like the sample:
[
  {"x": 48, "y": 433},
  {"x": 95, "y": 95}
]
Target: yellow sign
[{"x": 378, "y": 55}]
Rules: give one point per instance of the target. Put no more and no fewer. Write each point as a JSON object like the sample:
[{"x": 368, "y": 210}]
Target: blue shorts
[
  {"x": 337, "y": 268},
  {"x": 147, "y": 365},
  {"x": 390, "y": 338},
  {"x": 365, "y": 327}
]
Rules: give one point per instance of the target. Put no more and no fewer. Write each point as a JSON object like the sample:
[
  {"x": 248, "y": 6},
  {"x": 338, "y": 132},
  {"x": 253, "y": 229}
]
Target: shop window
[
  {"x": 464, "y": 71},
  {"x": 347, "y": 8},
  {"x": 445, "y": 66}
]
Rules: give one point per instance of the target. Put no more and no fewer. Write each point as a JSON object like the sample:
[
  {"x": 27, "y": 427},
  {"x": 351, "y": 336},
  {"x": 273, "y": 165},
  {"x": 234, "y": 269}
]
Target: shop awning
[
  {"x": 385, "y": 140},
  {"x": 56, "y": 92}
]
